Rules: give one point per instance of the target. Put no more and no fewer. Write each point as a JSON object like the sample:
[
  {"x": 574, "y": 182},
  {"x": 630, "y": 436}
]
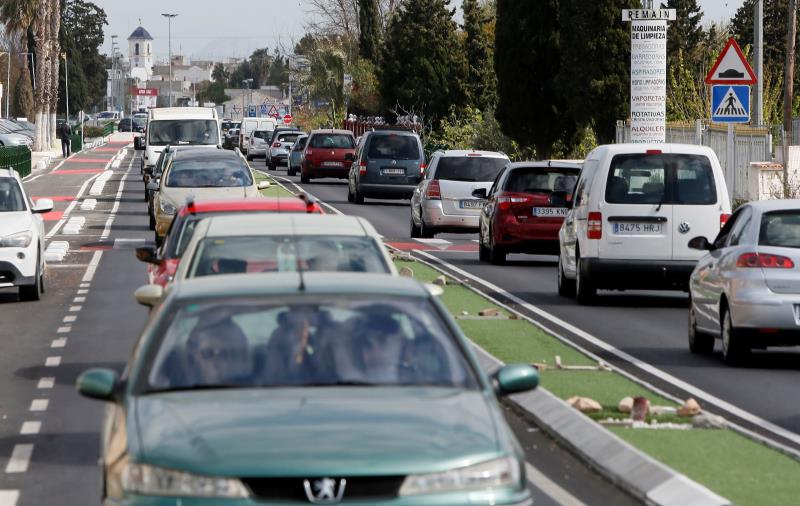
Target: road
[
  {"x": 650, "y": 327},
  {"x": 49, "y": 436}
]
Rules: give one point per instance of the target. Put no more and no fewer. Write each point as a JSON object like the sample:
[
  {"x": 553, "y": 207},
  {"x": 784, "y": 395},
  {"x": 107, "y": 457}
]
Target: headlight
[
  {"x": 18, "y": 240},
  {"x": 166, "y": 207},
  {"x": 502, "y": 472},
  {"x": 151, "y": 480}
]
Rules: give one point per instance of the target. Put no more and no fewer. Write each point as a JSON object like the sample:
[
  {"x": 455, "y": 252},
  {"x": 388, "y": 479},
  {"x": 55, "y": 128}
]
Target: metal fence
[
  {"x": 736, "y": 147},
  {"x": 17, "y": 158}
]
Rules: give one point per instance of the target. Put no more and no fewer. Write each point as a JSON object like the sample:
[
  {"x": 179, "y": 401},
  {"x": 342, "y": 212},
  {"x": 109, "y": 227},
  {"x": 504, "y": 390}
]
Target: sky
[{"x": 207, "y": 29}]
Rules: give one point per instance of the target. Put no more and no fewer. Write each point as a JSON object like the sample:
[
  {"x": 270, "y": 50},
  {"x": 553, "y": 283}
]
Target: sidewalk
[{"x": 42, "y": 160}]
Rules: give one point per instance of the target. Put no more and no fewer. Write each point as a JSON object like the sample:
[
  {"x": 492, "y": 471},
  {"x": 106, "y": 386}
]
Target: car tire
[
  {"x": 483, "y": 252},
  {"x": 416, "y": 232},
  {"x": 425, "y": 232},
  {"x": 290, "y": 171},
  {"x": 566, "y": 286},
  {"x": 304, "y": 179},
  {"x": 30, "y": 293},
  {"x": 350, "y": 197},
  {"x": 735, "y": 349},
  {"x": 497, "y": 255},
  {"x": 270, "y": 165},
  {"x": 358, "y": 197},
  {"x": 700, "y": 343},
  {"x": 585, "y": 291}
]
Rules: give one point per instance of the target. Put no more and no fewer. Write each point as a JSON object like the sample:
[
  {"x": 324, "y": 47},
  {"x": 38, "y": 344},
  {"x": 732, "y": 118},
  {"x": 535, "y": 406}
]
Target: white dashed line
[
  {"x": 75, "y": 309},
  {"x": 115, "y": 208},
  {"x": 20, "y": 458},
  {"x": 83, "y": 292},
  {"x": 46, "y": 382},
  {"x": 85, "y": 285},
  {"x": 52, "y": 362},
  {"x": 63, "y": 330},
  {"x": 100, "y": 183},
  {"x": 39, "y": 405},
  {"x": 9, "y": 497},
  {"x": 88, "y": 204},
  {"x": 29, "y": 428},
  {"x": 59, "y": 343},
  {"x": 79, "y": 300},
  {"x": 70, "y": 319},
  {"x": 87, "y": 277}
]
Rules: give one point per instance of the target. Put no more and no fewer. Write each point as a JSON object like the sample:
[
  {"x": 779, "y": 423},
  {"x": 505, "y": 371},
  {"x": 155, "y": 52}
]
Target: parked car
[
  {"x": 258, "y": 143},
  {"x": 14, "y": 139},
  {"x": 296, "y": 155},
  {"x": 164, "y": 260},
  {"x": 525, "y": 208},
  {"x": 231, "y": 139},
  {"x": 633, "y": 209},
  {"x": 279, "y": 146},
  {"x": 443, "y": 201},
  {"x": 745, "y": 290},
  {"x": 290, "y": 378},
  {"x": 107, "y": 116},
  {"x": 328, "y": 153},
  {"x": 389, "y": 165},
  {"x": 130, "y": 125},
  {"x": 22, "y": 261}
]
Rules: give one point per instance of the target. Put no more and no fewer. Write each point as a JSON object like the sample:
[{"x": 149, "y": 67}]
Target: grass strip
[{"x": 275, "y": 190}]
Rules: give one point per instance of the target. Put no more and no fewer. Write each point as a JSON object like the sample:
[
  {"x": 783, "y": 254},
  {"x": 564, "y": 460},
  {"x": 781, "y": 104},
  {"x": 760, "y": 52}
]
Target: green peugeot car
[{"x": 307, "y": 388}]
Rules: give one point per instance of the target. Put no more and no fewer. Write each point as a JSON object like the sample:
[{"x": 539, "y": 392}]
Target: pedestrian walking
[{"x": 66, "y": 139}]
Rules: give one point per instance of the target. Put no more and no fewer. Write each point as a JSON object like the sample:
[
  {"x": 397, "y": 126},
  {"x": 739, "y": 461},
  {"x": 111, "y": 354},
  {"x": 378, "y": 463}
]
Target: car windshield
[
  {"x": 182, "y": 131},
  {"x": 11, "y": 198},
  {"x": 262, "y": 134},
  {"x": 332, "y": 141},
  {"x": 393, "y": 146},
  {"x": 208, "y": 173},
  {"x": 675, "y": 179},
  {"x": 307, "y": 341},
  {"x": 106, "y": 115},
  {"x": 469, "y": 168},
  {"x": 780, "y": 228},
  {"x": 541, "y": 180},
  {"x": 277, "y": 253}
]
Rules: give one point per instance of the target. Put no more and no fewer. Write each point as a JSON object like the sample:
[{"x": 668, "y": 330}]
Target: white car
[
  {"x": 258, "y": 143},
  {"x": 22, "y": 262},
  {"x": 635, "y": 207}
]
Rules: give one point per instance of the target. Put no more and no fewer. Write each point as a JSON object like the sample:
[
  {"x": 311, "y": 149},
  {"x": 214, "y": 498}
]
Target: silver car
[
  {"x": 257, "y": 143},
  {"x": 746, "y": 290},
  {"x": 443, "y": 200}
]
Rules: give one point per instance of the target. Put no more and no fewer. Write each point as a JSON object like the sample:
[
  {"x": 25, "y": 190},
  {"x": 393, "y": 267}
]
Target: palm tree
[
  {"x": 41, "y": 32},
  {"x": 55, "y": 61}
]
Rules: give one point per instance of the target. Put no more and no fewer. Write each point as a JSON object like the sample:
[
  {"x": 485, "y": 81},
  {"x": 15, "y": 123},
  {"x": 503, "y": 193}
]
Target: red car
[
  {"x": 164, "y": 261},
  {"x": 328, "y": 153},
  {"x": 525, "y": 208}
]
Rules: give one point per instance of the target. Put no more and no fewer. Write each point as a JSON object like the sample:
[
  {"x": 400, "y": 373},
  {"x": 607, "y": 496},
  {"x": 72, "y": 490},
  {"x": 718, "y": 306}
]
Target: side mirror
[
  {"x": 149, "y": 295},
  {"x": 701, "y": 243},
  {"x": 349, "y": 157},
  {"x": 43, "y": 206},
  {"x": 98, "y": 384},
  {"x": 147, "y": 254},
  {"x": 515, "y": 378},
  {"x": 263, "y": 185},
  {"x": 152, "y": 186},
  {"x": 558, "y": 199},
  {"x": 479, "y": 193}
]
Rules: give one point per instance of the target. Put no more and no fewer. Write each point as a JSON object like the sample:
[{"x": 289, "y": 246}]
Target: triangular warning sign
[
  {"x": 731, "y": 67},
  {"x": 731, "y": 106},
  {"x": 273, "y": 111}
]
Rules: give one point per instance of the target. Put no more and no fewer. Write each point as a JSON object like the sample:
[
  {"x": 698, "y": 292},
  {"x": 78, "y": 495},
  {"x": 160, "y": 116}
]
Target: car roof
[
  {"x": 472, "y": 152},
  {"x": 205, "y": 153},
  {"x": 559, "y": 164},
  {"x": 391, "y": 131},
  {"x": 689, "y": 149},
  {"x": 330, "y": 131},
  {"x": 289, "y": 224},
  {"x": 183, "y": 113},
  {"x": 8, "y": 172},
  {"x": 257, "y": 204},
  {"x": 288, "y": 283},
  {"x": 765, "y": 206}
]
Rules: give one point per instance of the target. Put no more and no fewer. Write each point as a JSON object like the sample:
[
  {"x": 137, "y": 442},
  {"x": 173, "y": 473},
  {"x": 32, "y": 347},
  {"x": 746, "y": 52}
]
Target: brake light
[
  {"x": 309, "y": 152},
  {"x": 764, "y": 261},
  {"x": 276, "y": 145},
  {"x": 505, "y": 202},
  {"x": 594, "y": 226},
  {"x": 653, "y": 151},
  {"x": 362, "y": 167},
  {"x": 723, "y": 219},
  {"x": 422, "y": 168},
  {"x": 434, "y": 192}
]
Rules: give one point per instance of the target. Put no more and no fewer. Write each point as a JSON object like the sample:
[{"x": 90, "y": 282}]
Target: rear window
[
  {"x": 541, "y": 180},
  {"x": 469, "y": 168},
  {"x": 675, "y": 179},
  {"x": 263, "y": 134},
  {"x": 332, "y": 141},
  {"x": 215, "y": 173},
  {"x": 780, "y": 228},
  {"x": 396, "y": 147},
  {"x": 290, "y": 137}
]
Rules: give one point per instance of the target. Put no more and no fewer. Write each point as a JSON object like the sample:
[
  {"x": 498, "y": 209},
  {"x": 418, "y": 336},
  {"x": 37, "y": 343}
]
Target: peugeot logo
[
  {"x": 394, "y": 162},
  {"x": 324, "y": 490},
  {"x": 684, "y": 228}
]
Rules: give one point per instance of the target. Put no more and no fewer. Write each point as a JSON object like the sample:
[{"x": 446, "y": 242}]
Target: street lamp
[
  {"x": 169, "y": 24},
  {"x": 66, "y": 82},
  {"x": 113, "y": 95},
  {"x": 247, "y": 82},
  {"x": 8, "y": 82}
]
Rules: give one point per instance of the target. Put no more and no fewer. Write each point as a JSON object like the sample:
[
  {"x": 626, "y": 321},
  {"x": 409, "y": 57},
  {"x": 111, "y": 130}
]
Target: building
[{"x": 140, "y": 55}]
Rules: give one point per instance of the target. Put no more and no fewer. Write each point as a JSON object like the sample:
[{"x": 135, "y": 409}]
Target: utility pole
[
  {"x": 169, "y": 23},
  {"x": 66, "y": 83},
  {"x": 788, "y": 86},
  {"x": 8, "y": 82},
  {"x": 758, "y": 59}
]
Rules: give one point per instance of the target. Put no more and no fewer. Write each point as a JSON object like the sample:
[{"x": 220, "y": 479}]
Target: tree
[
  {"x": 481, "y": 79},
  {"x": 213, "y": 92},
  {"x": 685, "y": 34},
  {"x": 423, "y": 66},
  {"x": 23, "y": 94},
  {"x": 370, "y": 25},
  {"x": 219, "y": 74}
]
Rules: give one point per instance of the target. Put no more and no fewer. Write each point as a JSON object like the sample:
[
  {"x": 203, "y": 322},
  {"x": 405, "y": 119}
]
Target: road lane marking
[
  {"x": 20, "y": 458},
  {"x": 52, "y": 361},
  {"x": 87, "y": 277},
  {"x": 39, "y": 405},
  {"x": 78, "y": 300},
  {"x": 70, "y": 319},
  {"x": 46, "y": 382},
  {"x": 9, "y": 497},
  {"x": 85, "y": 285},
  {"x": 56, "y": 251},
  {"x": 59, "y": 343},
  {"x": 117, "y": 199},
  {"x": 75, "y": 309},
  {"x": 300, "y": 189},
  {"x": 82, "y": 292},
  {"x": 63, "y": 330},
  {"x": 30, "y": 428},
  {"x": 550, "y": 488},
  {"x": 53, "y": 231}
]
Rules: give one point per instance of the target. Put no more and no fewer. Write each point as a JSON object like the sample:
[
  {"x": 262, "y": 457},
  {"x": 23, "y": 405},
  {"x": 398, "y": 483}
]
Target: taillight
[
  {"x": 594, "y": 226},
  {"x": 723, "y": 219},
  {"x": 276, "y": 145},
  {"x": 362, "y": 167},
  {"x": 422, "y": 168},
  {"x": 434, "y": 192},
  {"x": 764, "y": 261},
  {"x": 309, "y": 152},
  {"x": 653, "y": 151},
  {"x": 504, "y": 203}
]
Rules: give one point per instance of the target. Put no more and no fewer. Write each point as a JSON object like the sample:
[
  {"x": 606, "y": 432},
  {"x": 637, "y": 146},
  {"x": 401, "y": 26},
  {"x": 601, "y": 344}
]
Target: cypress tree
[
  {"x": 370, "y": 25},
  {"x": 481, "y": 79}
]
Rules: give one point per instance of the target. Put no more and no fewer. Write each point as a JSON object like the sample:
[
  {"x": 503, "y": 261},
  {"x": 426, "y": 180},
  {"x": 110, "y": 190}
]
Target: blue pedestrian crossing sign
[
  {"x": 263, "y": 111},
  {"x": 730, "y": 103},
  {"x": 251, "y": 111}
]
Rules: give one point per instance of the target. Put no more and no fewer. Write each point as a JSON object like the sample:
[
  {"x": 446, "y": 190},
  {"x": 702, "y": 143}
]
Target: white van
[
  {"x": 179, "y": 126},
  {"x": 250, "y": 124},
  {"x": 634, "y": 209}
]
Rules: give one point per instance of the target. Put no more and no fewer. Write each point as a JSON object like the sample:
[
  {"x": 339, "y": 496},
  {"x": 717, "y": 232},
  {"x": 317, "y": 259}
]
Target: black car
[
  {"x": 130, "y": 125},
  {"x": 389, "y": 165},
  {"x": 231, "y": 139}
]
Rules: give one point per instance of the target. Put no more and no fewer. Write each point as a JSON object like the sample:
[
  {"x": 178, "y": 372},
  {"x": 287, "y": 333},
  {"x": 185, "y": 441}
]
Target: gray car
[
  {"x": 296, "y": 155},
  {"x": 746, "y": 290},
  {"x": 389, "y": 164}
]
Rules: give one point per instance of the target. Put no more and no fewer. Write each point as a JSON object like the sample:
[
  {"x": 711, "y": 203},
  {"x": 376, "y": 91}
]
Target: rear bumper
[
  {"x": 338, "y": 172},
  {"x": 638, "y": 274},
  {"x": 434, "y": 217},
  {"x": 280, "y": 159},
  {"x": 256, "y": 151},
  {"x": 766, "y": 317},
  {"x": 387, "y": 191}
]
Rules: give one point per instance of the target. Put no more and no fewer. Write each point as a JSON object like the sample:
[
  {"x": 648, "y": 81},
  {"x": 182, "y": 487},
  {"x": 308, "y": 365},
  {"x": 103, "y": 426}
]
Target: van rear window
[
  {"x": 675, "y": 179},
  {"x": 469, "y": 168}
]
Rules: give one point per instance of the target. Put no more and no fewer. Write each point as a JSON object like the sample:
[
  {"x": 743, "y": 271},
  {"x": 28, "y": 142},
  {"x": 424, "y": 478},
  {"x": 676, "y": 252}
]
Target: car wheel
[
  {"x": 483, "y": 252},
  {"x": 425, "y": 232},
  {"x": 416, "y": 232},
  {"x": 585, "y": 291},
  {"x": 699, "y": 342},
  {"x": 566, "y": 286},
  {"x": 159, "y": 241},
  {"x": 497, "y": 255},
  {"x": 290, "y": 171},
  {"x": 304, "y": 179},
  {"x": 358, "y": 197},
  {"x": 33, "y": 292},
  {"x": 734, "y": 348},
  {"x": 350, "y": 197},
  {"x": 270, "y": 165},
  {"x": 249, "y": 158}
]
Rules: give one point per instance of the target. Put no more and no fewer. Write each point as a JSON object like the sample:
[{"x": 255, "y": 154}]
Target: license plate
[
  {"x": 331, "y": 164},
  {"x": 637, "y": 228},
  {"x": 471, "y": 204},
  {"x": 394, "y": 171},
  {"x": 550, "y": 212}
]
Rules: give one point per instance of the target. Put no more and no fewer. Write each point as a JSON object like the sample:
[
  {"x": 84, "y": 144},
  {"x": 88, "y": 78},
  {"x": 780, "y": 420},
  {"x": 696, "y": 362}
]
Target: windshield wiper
[{"x": 187, "y": 388}]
